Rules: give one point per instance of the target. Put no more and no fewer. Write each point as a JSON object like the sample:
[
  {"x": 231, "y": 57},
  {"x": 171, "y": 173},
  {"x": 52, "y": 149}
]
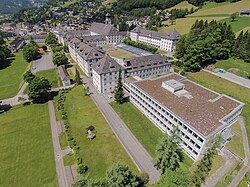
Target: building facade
[
  {"x": 163, "y": 41},
  {"x": 173, "y": 101}
]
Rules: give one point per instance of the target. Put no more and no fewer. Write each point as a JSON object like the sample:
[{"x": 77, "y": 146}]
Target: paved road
[
  {"x": 43, "y": 63},
  {"x": 60, "y": 170},
  {"x": 246, "y": 166},
  {"x": 222, "y": 171},
  {"x": 136, "y": 151},
  {"x": 233, "y": 78}
]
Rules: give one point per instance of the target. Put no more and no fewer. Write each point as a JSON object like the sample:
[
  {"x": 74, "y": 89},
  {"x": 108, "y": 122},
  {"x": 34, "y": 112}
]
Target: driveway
[
  {"x": 233, "y": 78},
  {"x": 44, "y": 63},
  {"x": 135, "y": 150}
]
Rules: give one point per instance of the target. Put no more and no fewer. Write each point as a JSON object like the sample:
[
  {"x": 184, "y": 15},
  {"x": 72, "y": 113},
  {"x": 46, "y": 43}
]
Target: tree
[
  {"x": 30, "y": 52},
  {"x": 120, "y": 175},
  {"x": 4, "y": 51},
  {"x": 168, "y": 154},
  {"x": 38, "y": 88},
  {"x": 119, "y": 95},
  {"x": 28, "y": 76},
  {"x": 59, "y": 58},
  {"x": 178, "y": 178},
  {"x": 78, "y": 78},
  {"x": 51, "y": 39},
  {"x": 233, "y": 16}
]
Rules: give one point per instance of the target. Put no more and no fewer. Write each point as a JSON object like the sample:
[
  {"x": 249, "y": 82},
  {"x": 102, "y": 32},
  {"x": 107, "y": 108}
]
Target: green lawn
[
  {"x": 63, "y": 140},
  {"x": 52, "y": 75},
  {"x": 119, "y": 53},
  {"x": 150, "y": 135},
  {"x": 105, "y": 150},
  {"x": 11, "y": 77},
  {"x": 239, "y": 24},
  {"x": 26, "y": 153},
  {"x": 236, "y": 142},
  {"x": 226, "y": 87},
  {"x": 69, "y": 159},
  {"x": 236, "y": 66}
]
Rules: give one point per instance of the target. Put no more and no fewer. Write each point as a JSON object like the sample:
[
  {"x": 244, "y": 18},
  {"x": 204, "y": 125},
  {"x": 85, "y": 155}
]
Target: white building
[
  {"x": 199, "y": 113},
  {"x": 105, "y": 74},
  {"x": 163, "y": 41},
  {"x": 147, "y": 66},
  {"x": 84, "y": 55}
]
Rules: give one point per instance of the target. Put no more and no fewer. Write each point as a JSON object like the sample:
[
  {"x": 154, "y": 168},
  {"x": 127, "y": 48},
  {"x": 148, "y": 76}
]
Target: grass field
[
  {"x": 52, "y": 75},
  {"x": 63, "y": 140},
  {"x": 183, "y": 5},
  {"x": 236, "y": 142},
  {"x": 26, "y": 153},
  {"x": 236, "y": 66},
  {"x": 239, "y": 24},
  {"x": 119, "y": 53},
  {"x": 11, "y": 77},
  {"x": 150, "y": 135},
  {"x": 211, "y": 11},
  {"x": 69, "y": 159},
  {"x": 105, "y": 150},
  {"x": 226, "y": 87}
]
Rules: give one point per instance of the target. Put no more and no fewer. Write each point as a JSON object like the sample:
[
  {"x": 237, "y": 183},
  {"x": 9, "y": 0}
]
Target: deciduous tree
[{"x": 38, "y": 88}]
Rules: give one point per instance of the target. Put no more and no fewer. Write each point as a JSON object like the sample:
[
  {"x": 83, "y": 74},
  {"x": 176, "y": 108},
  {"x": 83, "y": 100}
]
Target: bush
[
  {"x": 78, "y": 160},
  {"x": 140, "y": 45},
  {"x": 81, "y": 169}
]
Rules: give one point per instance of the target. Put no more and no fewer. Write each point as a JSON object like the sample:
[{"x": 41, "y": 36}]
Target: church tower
[{"x": 108, "y": 19}]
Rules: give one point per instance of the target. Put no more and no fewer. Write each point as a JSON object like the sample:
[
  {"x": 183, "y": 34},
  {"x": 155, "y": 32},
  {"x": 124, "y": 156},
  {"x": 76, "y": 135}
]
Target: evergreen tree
[
  {"x": 78, "y": 78},
  {"x": 119, "y": 95},
  {"x": 168, "y": 154},
  {"x": 120, "y": 175}
]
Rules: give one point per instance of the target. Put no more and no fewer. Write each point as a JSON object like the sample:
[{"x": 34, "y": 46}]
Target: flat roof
[{"x": 203, "y": 111}]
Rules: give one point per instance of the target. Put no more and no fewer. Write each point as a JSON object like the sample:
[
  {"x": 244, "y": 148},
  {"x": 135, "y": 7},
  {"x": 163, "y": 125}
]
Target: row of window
[
  {"x": 159, "y": 108},
  {"x": 167, "y": 127}
]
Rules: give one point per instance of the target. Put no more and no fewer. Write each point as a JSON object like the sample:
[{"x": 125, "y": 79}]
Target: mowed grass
[
  {"x": 143, "y": 129},
  {"x": 105, "y": 150},
  {"x": 52, "y": 75},
  {"x": 183, "y": 5},
  {"x": 119, "y": 53},
  {"x": 239, "y": 24},
  {"x": 11, "y": 77},
  {"x": 63, "y": 140},
  {"x": 225, "y": 87},
  {"x": 236, "y": 142},
  {"x": 211, "y": 11},
  {"x": 236, "y": 66},
  {"x": 26, "y": 153}
]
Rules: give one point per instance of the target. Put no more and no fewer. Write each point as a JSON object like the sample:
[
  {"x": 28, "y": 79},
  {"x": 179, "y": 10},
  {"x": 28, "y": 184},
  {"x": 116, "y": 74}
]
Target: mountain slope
[{"x": 10, "y": 6}]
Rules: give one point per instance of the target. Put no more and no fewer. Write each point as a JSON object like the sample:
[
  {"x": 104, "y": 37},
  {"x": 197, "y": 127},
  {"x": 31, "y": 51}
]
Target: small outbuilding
[
  {"x": 64, "y": 75},
  {"x": 245, "y": 13}
]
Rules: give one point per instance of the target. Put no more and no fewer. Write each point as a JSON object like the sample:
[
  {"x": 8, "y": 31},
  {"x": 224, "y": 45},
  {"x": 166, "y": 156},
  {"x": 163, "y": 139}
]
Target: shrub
[
  {"x": 81, "y": 169},
  {"x": 78, "y": 160}
]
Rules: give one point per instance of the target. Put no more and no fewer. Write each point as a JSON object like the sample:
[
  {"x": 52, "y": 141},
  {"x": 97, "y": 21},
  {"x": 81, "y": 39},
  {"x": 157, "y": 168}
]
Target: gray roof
[
  {"x": 145, "y": 62},
  {"x": 37, "y": 36},
  {"x": 103, "y": 29},
  {"x": 64, "y": 74},
  {"x": 95, "y": 38},
  {"x": 88, "y": 52},
  {"x": 174, "y": 35},
  {"x": 106, "y": 65},
  {"x": 15, "y": 43}
]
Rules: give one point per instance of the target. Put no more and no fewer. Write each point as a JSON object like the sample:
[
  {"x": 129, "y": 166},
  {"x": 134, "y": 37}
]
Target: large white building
[
  {"x": 163, "y": 41},
  {"x": 105, "y": 74},
  {"x": 199, "y": 113},
  {"x": 105, "y": 71}
]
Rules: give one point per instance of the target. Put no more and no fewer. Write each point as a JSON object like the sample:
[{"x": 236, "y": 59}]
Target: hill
[{"x": 10, "y": 6}]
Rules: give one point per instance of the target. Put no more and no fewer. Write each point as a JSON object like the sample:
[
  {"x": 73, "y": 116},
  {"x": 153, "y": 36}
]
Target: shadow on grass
[
  {"x": 46, "y": 98},
  {"x": 7, "y": 62},
  {"x": 4, "y": 108}
]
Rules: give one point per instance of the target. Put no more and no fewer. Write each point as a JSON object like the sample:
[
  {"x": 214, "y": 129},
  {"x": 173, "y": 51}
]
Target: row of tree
[
  {"x": 140, "y": 45},
  {"x": 208, "y": 42}
]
